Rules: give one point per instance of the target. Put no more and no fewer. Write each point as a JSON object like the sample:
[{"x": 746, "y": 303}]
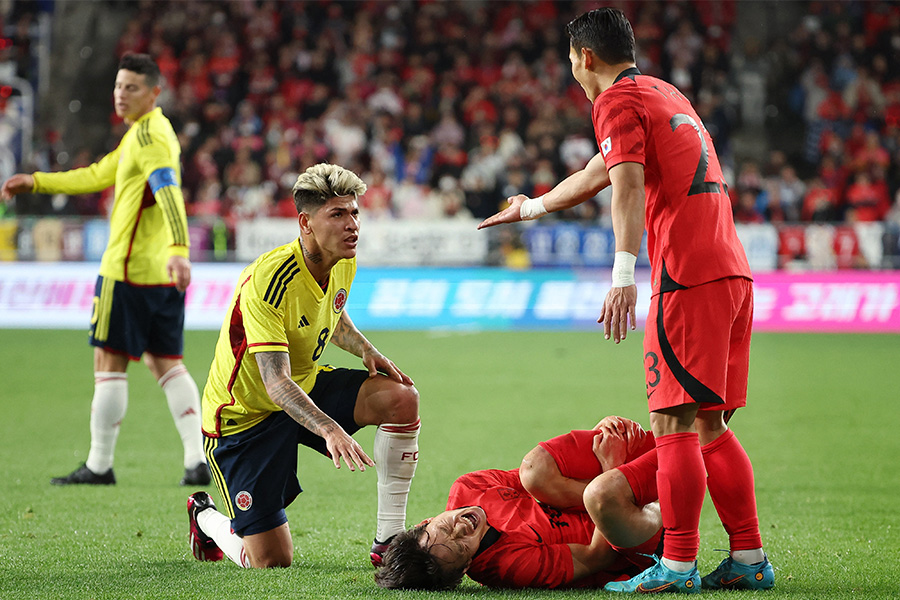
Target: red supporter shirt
[
  {"x": 532, "y": 547},
  {"x": 691, "y": 237}
]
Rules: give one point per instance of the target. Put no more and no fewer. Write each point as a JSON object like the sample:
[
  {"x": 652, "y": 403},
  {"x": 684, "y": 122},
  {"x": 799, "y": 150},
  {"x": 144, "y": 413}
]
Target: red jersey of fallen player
[
  {"x": 528, "y": 540},
  {"x": 527, "y": 545}
]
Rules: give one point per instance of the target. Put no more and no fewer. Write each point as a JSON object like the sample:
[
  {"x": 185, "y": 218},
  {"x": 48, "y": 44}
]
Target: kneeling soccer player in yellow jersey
[{"x": 267, "y": 394}]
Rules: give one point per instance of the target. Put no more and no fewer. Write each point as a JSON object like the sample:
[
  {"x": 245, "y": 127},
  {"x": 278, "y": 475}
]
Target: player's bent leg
[
  {"x": 541, "y": 477},
  {"x": 268, "y": 549},
  {"x": 610, "y": 502},
  {"x": 394, "y": 408}
]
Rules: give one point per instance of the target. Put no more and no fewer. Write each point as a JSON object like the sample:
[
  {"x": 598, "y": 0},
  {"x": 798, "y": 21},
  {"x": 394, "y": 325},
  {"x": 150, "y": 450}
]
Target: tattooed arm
[
  {"x": 275, "y": 369},
  {"x": 347, "y": 337}
]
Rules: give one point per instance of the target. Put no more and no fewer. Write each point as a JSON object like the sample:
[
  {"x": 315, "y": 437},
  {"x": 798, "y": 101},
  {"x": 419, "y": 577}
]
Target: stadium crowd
[{"x": 449, "y": 107}]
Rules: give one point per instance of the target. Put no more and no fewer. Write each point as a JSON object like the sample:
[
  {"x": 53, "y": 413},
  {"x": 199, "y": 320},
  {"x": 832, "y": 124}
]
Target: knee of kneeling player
[{"x": 404, "y": 404}]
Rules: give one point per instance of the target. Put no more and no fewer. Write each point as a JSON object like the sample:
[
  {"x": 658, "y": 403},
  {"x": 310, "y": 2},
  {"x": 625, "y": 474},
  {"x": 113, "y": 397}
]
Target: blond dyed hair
[{"x": 323, "y": 181}]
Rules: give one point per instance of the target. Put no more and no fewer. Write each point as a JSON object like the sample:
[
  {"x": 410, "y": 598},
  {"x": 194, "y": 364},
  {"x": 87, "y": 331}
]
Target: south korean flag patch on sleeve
[{"x": 606, "y": 146}]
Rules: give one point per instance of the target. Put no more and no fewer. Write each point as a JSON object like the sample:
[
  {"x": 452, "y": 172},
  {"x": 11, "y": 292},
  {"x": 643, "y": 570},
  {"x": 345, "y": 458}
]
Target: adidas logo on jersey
[{"x": 303, "y": 322}]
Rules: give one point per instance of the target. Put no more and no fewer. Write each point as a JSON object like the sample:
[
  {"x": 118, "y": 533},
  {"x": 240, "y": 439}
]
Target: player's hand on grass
[
  {"x": 510, "y": 214},
  {"x": 20, "y": 183},
  {"x": 179, "y": 270},
  {"x": 618, "y": 308},
  {"x": 376, "y": 362},
  {"x": 342, "y": 446},
  {"x": 610, "y": 448}
]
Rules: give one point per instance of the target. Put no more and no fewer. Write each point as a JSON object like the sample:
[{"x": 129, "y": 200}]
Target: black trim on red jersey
[
  {"x": 489, "y": 539},
  {"x": 666, "y": 283},
  {"x": 695, "y": 389},
  {"x": 630, "y": 72}
]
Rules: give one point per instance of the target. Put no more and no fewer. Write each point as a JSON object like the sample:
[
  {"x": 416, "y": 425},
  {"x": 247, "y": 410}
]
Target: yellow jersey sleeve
[
  {"x": 93, "y": 178},
  {"x": 160, "y": 153},
  {"x": 263, "y": 320}
]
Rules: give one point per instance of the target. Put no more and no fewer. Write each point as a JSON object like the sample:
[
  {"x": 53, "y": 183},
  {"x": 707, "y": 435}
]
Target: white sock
[
  {"x": 218, "y": 527},
  {"x": 107, "y": 411},
  {"x": 396, "y": 454},
  {"x": 184, "y": 404},
  {"x": 749, "y": 557},
  {"x": 678, "y": 565}
]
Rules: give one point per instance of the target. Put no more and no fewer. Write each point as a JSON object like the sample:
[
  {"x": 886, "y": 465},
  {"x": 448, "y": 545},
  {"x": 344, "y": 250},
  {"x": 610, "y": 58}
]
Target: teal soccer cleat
[
  {"x": 658, "y": 579},
  {"x": 732, "y": 575}
]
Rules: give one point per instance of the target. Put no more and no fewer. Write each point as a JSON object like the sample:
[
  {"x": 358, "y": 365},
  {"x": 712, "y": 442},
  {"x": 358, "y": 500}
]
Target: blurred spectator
[
  {"x": 745, "y": 211},
  {"x": 866, "y": 200},
  {"x": 376, "y": 202},
  {"x": 791, "y": 190},
  {"x": 871, "y": 155},
  {"x": 820, "y": 202}
]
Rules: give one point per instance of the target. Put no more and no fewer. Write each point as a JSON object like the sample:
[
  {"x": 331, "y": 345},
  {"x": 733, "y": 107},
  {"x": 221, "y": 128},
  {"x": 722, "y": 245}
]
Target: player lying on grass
[{"x": 579, "y": 512}]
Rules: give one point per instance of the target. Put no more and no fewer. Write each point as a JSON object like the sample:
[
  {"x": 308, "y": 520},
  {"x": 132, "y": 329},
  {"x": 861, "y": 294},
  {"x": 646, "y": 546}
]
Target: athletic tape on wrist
[
  {"x": 532, "y": 208},
  {"x": 623, "y": 269}
]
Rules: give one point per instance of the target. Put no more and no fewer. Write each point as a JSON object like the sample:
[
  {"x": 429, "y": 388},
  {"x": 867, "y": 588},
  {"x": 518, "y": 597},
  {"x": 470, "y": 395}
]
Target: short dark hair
[
  {"x": 409, "y": 566},
  {"x": 142, "y": 64},
  {"x": 606, "y": 32}
]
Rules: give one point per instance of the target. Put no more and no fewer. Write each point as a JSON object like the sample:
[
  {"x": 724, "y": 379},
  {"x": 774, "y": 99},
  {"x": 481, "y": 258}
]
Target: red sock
[
  {"x": 730, "y": 482},
  {"x": 641, "y": 476},
  {"x": 681, "y": 480}
]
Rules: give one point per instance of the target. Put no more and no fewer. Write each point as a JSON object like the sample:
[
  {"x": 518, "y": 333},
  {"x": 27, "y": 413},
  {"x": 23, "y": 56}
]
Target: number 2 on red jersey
[{"x": 699, "y": 185}]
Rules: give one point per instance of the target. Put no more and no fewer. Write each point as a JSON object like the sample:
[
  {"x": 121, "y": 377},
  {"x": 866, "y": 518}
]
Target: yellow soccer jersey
[
  {"x": 277, "y": 307},
  {"x": 144, "y": 230}
]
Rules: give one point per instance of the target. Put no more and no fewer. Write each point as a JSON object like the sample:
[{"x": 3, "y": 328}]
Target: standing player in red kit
[{"x": 665, "y": 176}]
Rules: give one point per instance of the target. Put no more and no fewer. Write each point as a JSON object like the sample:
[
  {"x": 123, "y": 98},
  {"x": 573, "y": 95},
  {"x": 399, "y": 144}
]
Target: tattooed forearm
[
  {"x": 348, "y": 338},
  {"x": 275, "y": 369}
]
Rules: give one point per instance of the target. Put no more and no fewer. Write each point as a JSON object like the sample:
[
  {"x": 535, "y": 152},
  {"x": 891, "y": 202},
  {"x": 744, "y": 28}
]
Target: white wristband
[
  {"x": 623, "y": 269},
  {"x": 532, "y": 208}
]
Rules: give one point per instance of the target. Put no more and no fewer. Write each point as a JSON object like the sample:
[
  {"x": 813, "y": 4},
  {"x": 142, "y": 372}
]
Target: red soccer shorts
[{"x": 697, "y": 345}]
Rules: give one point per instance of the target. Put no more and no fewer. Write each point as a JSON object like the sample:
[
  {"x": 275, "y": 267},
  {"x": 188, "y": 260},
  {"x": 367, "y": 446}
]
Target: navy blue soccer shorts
[
  {"x": 130, "y": 320},
  {"x": 256, "y": 469}
]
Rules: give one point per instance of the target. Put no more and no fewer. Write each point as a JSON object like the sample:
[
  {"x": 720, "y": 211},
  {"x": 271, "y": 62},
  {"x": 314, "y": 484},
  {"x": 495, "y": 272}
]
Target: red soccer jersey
[
  {"x": 532, "y": 548},
  {"x": 690, "y": 230}
]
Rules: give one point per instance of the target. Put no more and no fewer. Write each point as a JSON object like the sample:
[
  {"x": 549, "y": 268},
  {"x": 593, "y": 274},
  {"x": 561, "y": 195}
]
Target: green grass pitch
[{"x": 821, "y": 430}]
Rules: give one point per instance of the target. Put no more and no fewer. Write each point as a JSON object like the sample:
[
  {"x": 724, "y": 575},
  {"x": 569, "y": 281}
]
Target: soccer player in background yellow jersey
[
  {"x": 144, "y": 272},
  {"x": 266, "y": 392}
]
